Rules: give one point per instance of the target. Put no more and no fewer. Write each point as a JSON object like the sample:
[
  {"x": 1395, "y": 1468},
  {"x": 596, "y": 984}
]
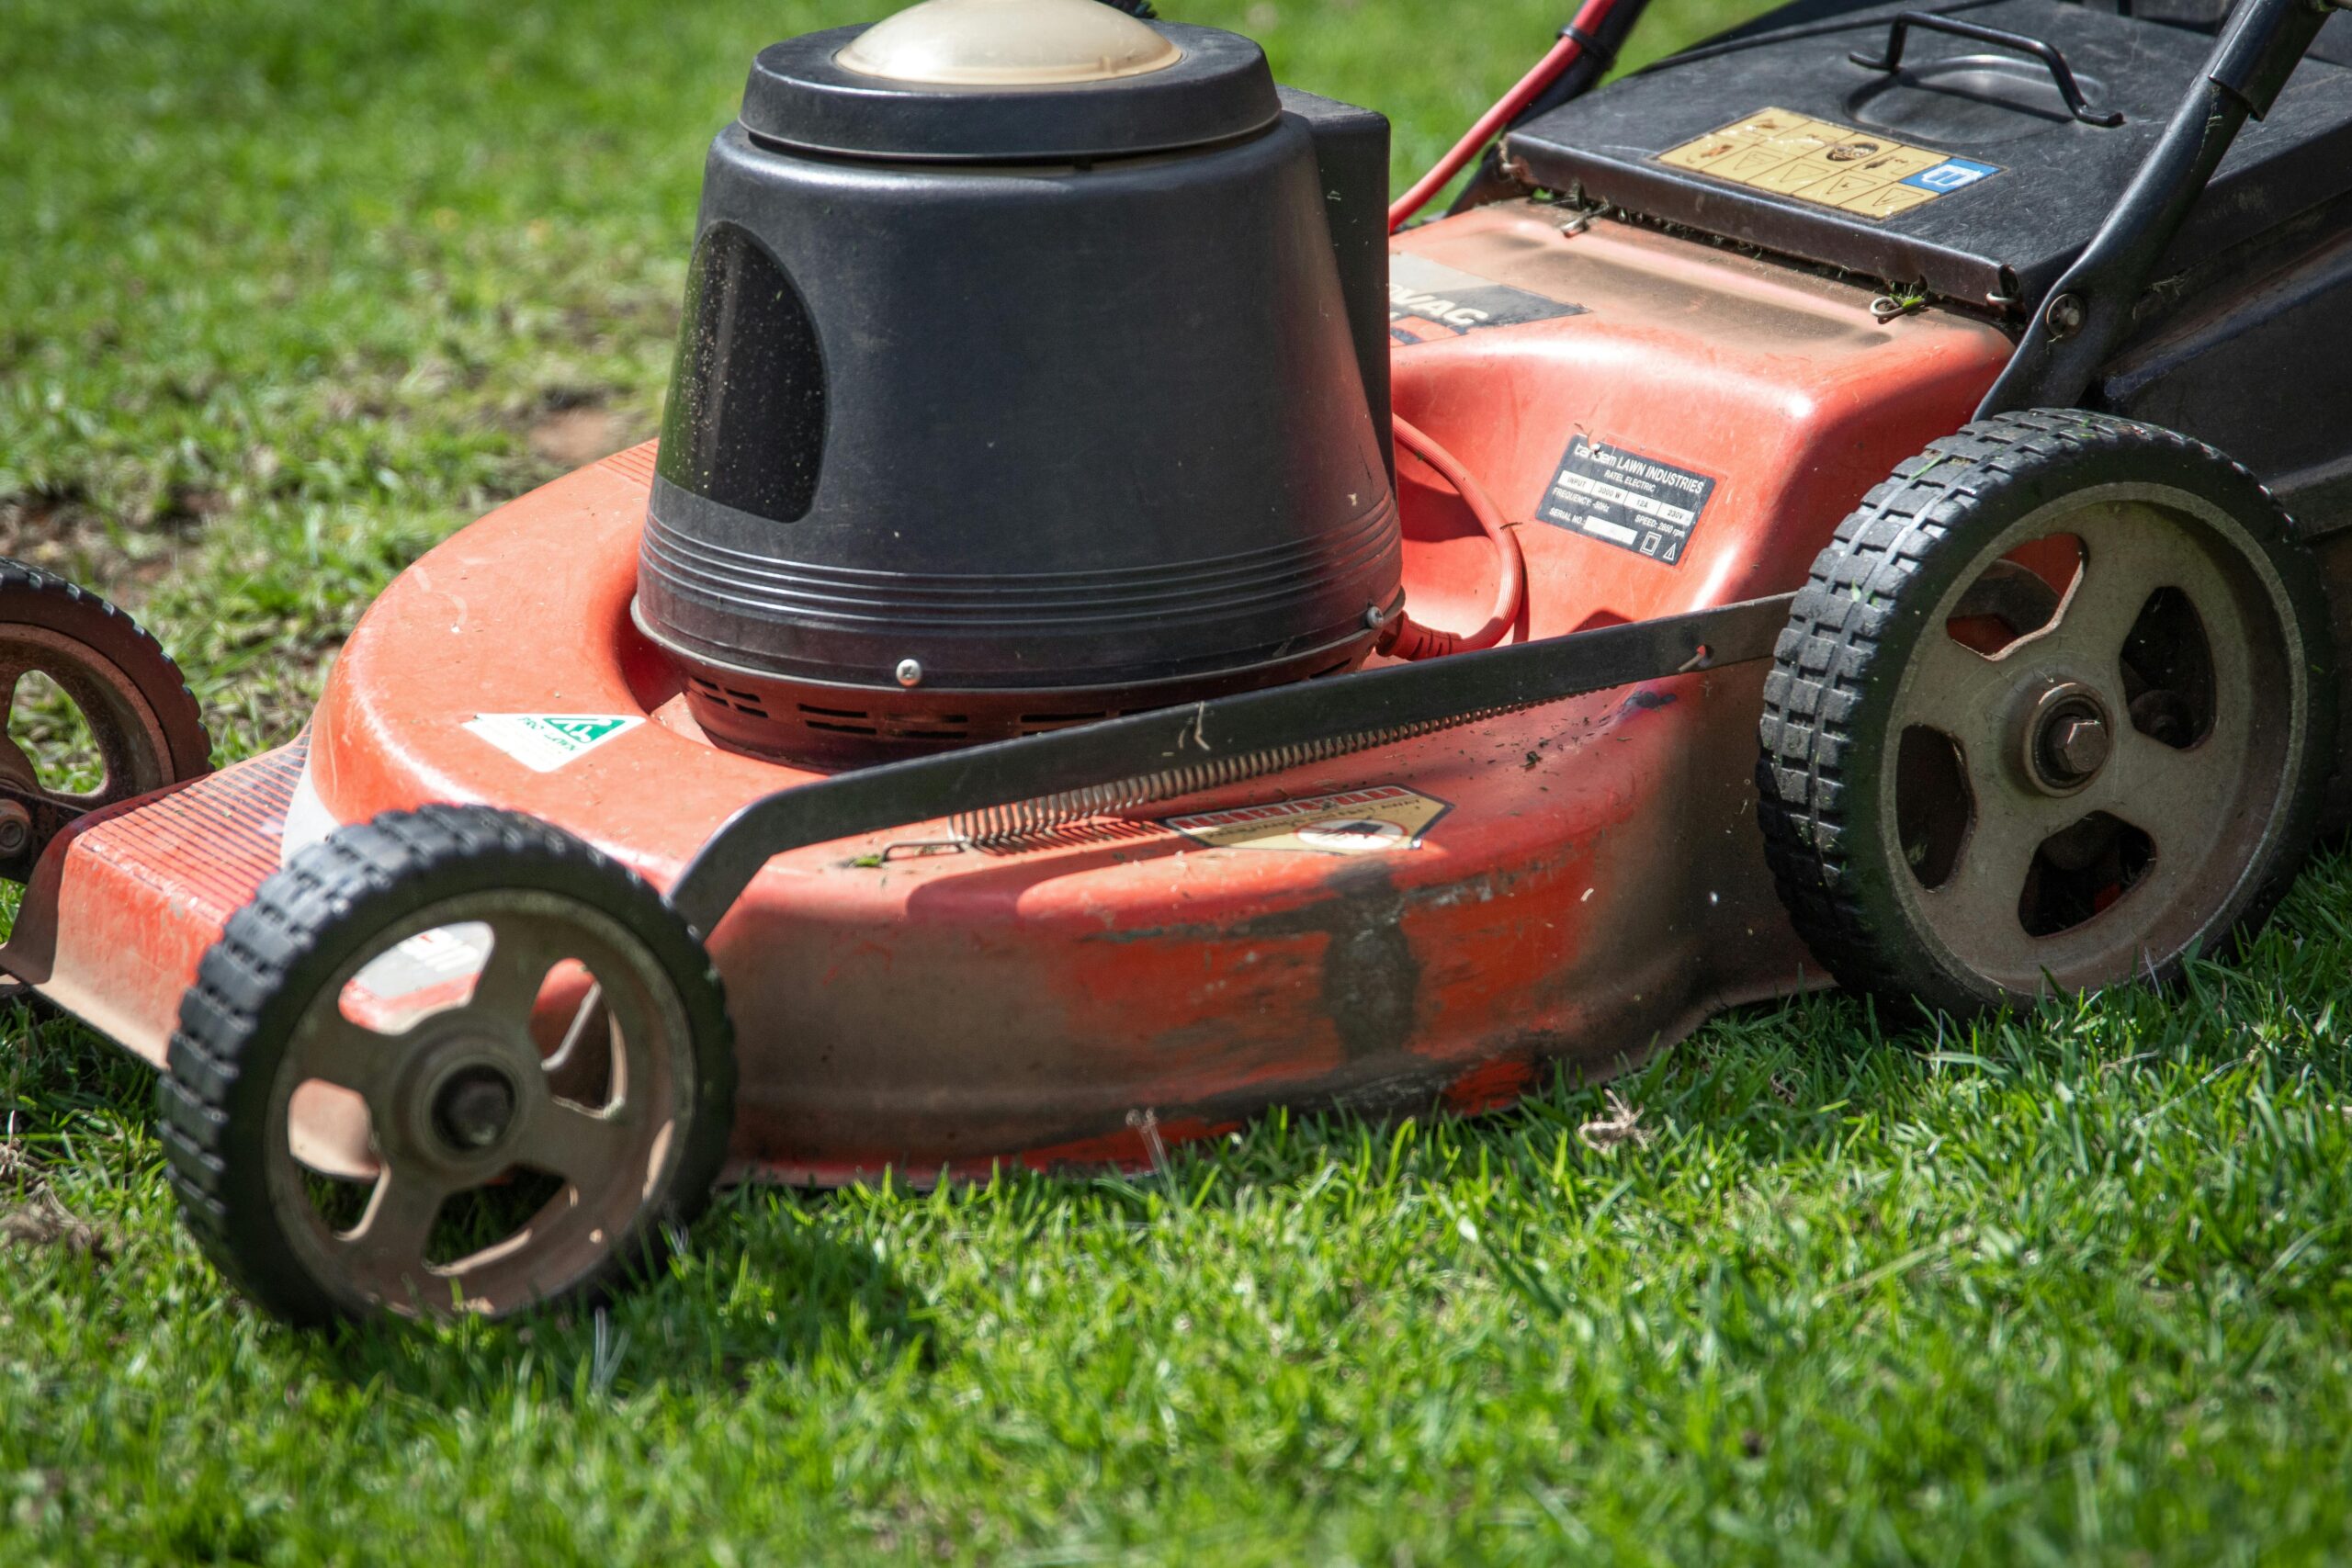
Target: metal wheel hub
[
  {"x": 464, "y": 1102},
  {"x": 474, "y": 1109},
  {"x": 2069, "y": 738},
  {"x": 464, "y": 1108},
  {"x": 2094, "y": 758}
]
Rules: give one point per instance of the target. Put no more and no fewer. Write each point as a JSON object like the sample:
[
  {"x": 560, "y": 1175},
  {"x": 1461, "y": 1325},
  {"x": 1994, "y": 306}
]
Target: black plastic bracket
[
  {"x": 2040, "y": 49},
  {"x": 2088, "y": 314}
]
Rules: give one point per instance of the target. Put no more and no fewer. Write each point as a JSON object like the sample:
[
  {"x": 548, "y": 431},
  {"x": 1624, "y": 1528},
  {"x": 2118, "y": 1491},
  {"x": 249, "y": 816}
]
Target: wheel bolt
[
  {"x": 16, "y": 828},
  {"x": 474, "y": 1108},
  {"x": 2065, "y": 316},
  {"x": 2066, "y": 738},
  {"x": 2079, "y": 745}
]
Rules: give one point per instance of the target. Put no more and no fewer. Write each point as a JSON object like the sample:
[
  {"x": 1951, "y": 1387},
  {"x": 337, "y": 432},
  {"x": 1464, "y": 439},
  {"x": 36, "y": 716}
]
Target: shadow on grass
[
  {"x": 759, "y": 1289},
  {"x": 759, "y": 1284},
  {"x": 771, "y": 1279}
]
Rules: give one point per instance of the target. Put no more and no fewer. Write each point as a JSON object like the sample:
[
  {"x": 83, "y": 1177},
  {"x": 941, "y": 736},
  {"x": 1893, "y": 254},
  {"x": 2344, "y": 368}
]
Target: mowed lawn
[{"x": 288, "y": 291}]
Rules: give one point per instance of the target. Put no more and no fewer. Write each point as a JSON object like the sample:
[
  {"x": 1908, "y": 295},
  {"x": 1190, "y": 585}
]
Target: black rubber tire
[
  {"x": 1828, "y": 699},
  {"x": 29, "y": 596},
  {"x": 303, "y": 925}
]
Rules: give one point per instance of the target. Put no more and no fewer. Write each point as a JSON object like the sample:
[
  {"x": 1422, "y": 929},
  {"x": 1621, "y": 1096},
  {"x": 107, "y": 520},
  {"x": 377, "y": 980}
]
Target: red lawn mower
[{"x": 1119, "y": 632}]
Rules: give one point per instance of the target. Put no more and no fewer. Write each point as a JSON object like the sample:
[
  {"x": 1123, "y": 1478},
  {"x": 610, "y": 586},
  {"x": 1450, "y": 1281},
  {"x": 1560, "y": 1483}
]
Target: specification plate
[{"x": 1623, "y": 499}]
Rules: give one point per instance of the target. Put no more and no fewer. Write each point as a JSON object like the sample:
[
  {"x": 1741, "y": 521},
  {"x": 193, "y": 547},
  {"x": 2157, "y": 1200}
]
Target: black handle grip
[{"x": 2060, "y": 71}]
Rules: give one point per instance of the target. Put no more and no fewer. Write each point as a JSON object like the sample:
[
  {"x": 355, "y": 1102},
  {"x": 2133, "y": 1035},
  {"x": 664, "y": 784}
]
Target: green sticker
[{"x": 546, "y": 741}]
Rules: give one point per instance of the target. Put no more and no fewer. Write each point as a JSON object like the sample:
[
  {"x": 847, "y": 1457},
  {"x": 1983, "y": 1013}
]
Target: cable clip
[{"x": 1598, "y": 51}]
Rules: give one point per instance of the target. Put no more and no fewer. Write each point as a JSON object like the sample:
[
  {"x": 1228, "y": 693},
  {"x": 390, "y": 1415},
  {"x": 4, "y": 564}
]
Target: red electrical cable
[
  {"x": 1407, "y": 638},
  {"x": 1547, "y": 71}
]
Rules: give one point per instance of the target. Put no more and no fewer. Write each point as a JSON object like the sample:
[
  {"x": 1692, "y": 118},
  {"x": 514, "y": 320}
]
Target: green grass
[{"x": 288, "y": 291}]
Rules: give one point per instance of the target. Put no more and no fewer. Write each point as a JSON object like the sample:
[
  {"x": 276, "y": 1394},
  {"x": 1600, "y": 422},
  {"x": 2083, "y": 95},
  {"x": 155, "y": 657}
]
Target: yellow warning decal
[
  {"x": 1371, "y": 821},
  {"x": 1827, "y": 164}
]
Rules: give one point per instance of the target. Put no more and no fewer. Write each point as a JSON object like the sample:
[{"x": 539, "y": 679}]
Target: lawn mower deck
[
  {"x": 903, "y": 1000},
  {"x": 1015, "y": 836}
]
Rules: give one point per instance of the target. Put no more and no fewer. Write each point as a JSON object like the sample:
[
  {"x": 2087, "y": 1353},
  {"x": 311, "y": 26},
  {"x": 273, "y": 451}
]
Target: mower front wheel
[
  {"x": 451, "y": 1061},
  {"x": 2054, "y": 711}
]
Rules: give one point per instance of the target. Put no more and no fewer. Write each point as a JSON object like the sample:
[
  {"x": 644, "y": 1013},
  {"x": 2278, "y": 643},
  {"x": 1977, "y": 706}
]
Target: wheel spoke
[
  {"x": 2126, "y": 557},
  {"x": 329, "y": 1048},
  {"x": 1950, "y": 672},
  {"x": 1978, "y": 903},
  {"x": 2171, "y": 794},
  {"x": 1959, "y": 692},
  {"x": 590, "y": 1022},
  {"x": 521, "y": 955},
  {"x": 19, "y": 768},
  {"x": 14, "y": 668},
  {"x": 581, "y": 1067},
  {"x": 581, "y": 1146},
  {"x": 385, "y": 1251},
  {"x": 15, "y": 764},
  {"x": 1964, "y": 696},
  {"x": 2183, "y": 800}
]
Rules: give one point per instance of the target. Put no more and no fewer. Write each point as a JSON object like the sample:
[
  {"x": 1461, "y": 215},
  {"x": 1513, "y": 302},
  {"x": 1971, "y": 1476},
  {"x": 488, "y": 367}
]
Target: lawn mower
[{"x": 1122, "y": 629}]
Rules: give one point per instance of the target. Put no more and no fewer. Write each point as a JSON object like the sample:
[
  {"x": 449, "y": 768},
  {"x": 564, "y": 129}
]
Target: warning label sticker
[
  {"x": 1372, "y": 820},
  {"x": 546, "y": 741},
  {"x": 1623, "y": 499},
  {"x": 1826, "y": 164},
  {"x": 1429, "y": 300}
]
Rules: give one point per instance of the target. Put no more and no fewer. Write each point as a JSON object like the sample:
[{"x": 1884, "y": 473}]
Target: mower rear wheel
[
  {"x": 117, "y": 720},
  {"x": 2054, "y": 710},
  {"x": 453, "y": 1061}
]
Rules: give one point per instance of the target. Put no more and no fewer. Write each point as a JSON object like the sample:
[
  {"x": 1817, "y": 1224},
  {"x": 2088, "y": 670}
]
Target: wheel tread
[
  {"x": 1842, "y": 619},
  {"x": 254, "y": 975}
]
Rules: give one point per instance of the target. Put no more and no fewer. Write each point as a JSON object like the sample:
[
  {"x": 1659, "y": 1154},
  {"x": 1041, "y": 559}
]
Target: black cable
[{"x": 1597, "y": 58}]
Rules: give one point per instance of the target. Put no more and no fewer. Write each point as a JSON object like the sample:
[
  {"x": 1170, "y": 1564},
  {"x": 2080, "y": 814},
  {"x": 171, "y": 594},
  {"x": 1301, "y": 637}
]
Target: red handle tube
[{"x": 1547, "y": 71}]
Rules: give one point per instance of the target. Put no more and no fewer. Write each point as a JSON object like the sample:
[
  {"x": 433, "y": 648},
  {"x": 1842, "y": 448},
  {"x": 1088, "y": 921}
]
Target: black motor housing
[{"x": 997, "y": 409}]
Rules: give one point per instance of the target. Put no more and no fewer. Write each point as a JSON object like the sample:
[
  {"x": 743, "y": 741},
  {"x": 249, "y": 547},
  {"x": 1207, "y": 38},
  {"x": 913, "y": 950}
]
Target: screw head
[
  {"x": 16, "y": 828},
  {"x": 474, "y": 1109},
  {"x": 1375, "y": 617},
  {"x": 910, "y": 673},
  {"x": 2065, "y": 316}
]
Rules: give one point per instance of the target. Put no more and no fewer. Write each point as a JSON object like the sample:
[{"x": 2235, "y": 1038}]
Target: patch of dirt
[
  {"x": 570, "y": 437},
  {"x": 41, "y": 1220},
  {"x": 33, "y": 525},
  {"x": 63, "y": 535},
  {"x": 186, "y": 508}
]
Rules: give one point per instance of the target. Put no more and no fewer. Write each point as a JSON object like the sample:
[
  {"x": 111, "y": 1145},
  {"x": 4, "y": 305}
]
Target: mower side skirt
[{"x": 1229, "y": 729}]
